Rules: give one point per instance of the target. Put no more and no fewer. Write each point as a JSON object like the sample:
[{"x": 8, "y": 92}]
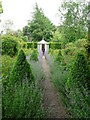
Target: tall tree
[
  {"x": 74, "y": 17},
  {"x": 40, "y": 26}
]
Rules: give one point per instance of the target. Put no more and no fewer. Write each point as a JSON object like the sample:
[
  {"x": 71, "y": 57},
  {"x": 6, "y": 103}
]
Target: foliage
[
  {"x": 1, "y": 9},
  {"x": 74, "y": 20},
  {"x": 40, "y": 26},
  {"x": 21, "y": 72},
  {"x": 7, "y": 65},
  {"x": 25, "y": 38},
  {"x": 59, "y": 57},
  {"x": 31, "y": 45},
  {"x": 57, "y": 37},
  {"x": 38, "y": 71},
  {"x": 22, "y": 101},
  {"x": 34, "y": 55},
  {"x": 77, "y": 87},
  {"x": 27, "y": 51},
  {"x": 9, "y": 46},
  {"x": 55, "y": 45}
]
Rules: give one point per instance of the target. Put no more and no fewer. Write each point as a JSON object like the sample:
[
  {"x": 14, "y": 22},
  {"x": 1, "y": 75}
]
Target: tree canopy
[
  {"x": 40, "y": 26},
  {"x": 74, "y": 20}
]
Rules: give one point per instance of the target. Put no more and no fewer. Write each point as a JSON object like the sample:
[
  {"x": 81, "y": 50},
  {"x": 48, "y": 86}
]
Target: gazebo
[{"x": 43, "y": 45}]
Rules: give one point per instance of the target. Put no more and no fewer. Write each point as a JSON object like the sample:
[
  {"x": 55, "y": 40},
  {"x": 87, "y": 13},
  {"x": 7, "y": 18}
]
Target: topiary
[
  {"x": 79, "y": 72},
  {"x": 77, "y": 87},
  {"x": 22, "y": 71},
  {"x": 34, "y": 55}
]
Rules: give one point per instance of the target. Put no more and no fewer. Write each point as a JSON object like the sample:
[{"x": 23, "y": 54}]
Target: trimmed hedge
[
  {"x": 77, "y": 87},
  {"x": 21, "y": 72},
  {"x": 9, "y": 47},
  {"x": 31, "y": 45},
  {"x": 55, "y": 45}
]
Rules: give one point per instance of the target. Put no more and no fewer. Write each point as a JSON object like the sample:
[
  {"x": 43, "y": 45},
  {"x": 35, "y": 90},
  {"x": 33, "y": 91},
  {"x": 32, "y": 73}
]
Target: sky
[{"x": 20, "y": 11}]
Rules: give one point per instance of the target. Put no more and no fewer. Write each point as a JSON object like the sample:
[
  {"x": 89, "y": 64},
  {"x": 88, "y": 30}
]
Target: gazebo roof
[{"x": 43, "y": 42}]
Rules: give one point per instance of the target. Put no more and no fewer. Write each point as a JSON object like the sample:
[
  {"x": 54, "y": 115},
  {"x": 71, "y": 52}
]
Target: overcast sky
[{"x": 19, "y": 11}]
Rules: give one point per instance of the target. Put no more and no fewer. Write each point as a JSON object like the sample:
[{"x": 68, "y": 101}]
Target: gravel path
[{"x": 51, "y": 97}]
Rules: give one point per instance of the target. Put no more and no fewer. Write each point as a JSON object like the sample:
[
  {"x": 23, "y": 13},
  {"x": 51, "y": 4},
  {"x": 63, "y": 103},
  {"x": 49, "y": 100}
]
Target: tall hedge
[
  {"x": 9, "y": 47},
  {"x": 22, "y": 71},
  {"x": 77, "y": 87}
]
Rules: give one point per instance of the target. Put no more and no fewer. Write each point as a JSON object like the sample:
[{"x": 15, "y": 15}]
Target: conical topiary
[
  {"x": 79, "y": 74},
  {"x": 22, "y": 71},
  {"x": 77, "y": 87},
  {"x": 34, "y": 55}
]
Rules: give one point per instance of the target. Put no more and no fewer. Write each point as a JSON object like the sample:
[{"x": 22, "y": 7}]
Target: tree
[
  {"x": 40, "y": 26},
  {"x": 74, "y": 20},
  {"x": 57, "y": 36}
]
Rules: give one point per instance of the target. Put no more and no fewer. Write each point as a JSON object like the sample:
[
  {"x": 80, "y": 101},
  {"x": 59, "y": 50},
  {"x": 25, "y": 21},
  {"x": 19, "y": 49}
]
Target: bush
[
  {"x": 7, "y": 65},
  {"x": 55, "y": 45},
  {"x": 22, "y": 71},
  {"x": 9, "y": 47},
  {"x": 59, "y": 56},
  {"x": 34, "y": 55},
  {"x": 25, "y": 38},
  {"x": 77, "y": 87}
]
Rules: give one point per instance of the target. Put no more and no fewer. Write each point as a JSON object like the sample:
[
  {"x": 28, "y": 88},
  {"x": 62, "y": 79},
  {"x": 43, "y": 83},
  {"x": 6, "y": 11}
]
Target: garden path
[{"x": 51, "y": 97}]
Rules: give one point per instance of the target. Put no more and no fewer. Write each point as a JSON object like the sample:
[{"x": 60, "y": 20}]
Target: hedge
[
  {"x": 31, "y": 45},
  {"x": 9, "y": 47},
  {"x": 55, "y": 45}
]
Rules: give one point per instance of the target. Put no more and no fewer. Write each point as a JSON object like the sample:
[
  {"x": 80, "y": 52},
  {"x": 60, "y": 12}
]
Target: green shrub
[
  {"x": 7, "y": 65},
  {"x": 77, "y": 87},
  {"x": 34, "y": 55},
  {"x": 55, "y": 45},
  {"x": 59, "y": 56},
  {"x": 21, "y": 101},
  {"x": 25, "y": 38},
  {"x": 22, "y": 71},
  {"x": 9, "y": 47}
]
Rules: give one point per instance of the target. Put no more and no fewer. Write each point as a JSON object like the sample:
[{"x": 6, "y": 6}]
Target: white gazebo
[{"x": 43, "y": 45}]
